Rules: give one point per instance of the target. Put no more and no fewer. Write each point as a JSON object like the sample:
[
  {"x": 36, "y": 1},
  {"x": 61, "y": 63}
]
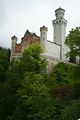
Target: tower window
[{"x": 59, "y": 21}]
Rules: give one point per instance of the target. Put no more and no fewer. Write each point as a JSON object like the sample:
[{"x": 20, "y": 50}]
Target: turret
[
  {"x": 13, "y": 45},
  {"x": 43, "y": 37},
  {"x": 59, "y": 13}
]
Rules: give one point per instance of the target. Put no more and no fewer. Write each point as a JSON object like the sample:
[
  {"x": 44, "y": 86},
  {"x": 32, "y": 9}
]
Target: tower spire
[{"x": 59, "y": 25}]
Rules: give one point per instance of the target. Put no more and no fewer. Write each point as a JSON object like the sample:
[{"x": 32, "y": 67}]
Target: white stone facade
[
  {"x": 52, "y": 50},
  {"x": 59, "y": 26}
]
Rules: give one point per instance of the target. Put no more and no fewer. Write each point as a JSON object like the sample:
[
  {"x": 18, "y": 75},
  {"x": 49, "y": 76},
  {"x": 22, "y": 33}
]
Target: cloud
[{"x": 2, "y": 12}]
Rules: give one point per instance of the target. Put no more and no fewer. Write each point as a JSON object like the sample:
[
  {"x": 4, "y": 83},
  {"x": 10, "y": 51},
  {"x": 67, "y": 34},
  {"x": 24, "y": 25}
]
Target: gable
[{"x": 30, "y": 38}]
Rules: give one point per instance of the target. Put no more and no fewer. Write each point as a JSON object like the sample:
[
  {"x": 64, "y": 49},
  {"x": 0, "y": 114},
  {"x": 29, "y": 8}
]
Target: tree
[
  {"x": 8, "y": 98},
  {"x": 32, "y": 60},
  {"x": 8, "y": 55},
  {"x": 3, "y": 63},
  {"x": 73, "y": 42}
]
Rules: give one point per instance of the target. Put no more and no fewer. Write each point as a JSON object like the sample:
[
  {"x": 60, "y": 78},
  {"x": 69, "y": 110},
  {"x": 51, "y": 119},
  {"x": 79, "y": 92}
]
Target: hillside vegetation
[{"x": 28, "y": 93}]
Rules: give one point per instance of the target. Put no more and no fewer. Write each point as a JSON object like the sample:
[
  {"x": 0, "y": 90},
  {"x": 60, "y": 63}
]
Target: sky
[{"x": 16, "y": 16}]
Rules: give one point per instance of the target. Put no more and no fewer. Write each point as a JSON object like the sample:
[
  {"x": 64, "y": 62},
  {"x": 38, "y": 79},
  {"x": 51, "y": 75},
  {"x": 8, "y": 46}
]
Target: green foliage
[
  {"x": 76, "y": 90},
  {"x": 32, "y": 60},
  {"x": 73, "y": 42},
  {"x": 3, "y": 63},
  {"x": 71, "y": 111},
  {"x": 64, "y": 82},
  {"x": 34, "y": 95},
  {"x": 3, "y": 59},
  {"x": 8, "y": 98},
  {"x": 64, "y": 74}
]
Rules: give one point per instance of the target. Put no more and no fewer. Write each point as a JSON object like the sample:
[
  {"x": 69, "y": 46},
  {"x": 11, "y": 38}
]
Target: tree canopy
[
  {"x": 32, "y": 60},
  {"x": 4, "y": 62},
  {"x": 73, "y": 42}
]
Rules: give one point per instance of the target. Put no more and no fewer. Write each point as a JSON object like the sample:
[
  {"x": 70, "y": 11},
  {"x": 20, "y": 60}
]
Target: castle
[{"x": 53, "y": 51}]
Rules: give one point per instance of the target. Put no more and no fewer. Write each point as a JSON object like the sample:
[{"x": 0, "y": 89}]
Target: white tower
[
  {"x": 13, "y": 45},
  {"x": 59, "y": 25},
  {"x": 43, "y": 37}
]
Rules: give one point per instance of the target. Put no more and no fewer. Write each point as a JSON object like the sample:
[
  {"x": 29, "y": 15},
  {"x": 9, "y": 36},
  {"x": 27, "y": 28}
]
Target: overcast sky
[{"x": 16, "y": 16}]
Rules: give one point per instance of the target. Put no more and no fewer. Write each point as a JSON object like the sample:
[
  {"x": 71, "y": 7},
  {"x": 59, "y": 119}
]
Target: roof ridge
[{"x": 31, "y": 33}]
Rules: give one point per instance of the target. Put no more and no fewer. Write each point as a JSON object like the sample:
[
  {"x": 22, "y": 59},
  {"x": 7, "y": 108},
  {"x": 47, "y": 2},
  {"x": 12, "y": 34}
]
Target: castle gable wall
[{"x": 53, "y": 49}]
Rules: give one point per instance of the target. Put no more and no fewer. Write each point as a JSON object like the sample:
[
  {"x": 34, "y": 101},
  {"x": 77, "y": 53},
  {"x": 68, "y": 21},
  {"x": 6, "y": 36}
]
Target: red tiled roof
[{"x": 30, "y": 37}]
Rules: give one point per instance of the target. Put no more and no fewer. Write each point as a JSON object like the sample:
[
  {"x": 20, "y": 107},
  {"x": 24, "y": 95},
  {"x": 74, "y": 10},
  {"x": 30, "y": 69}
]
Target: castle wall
[{"x": 53, "y": 50}]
